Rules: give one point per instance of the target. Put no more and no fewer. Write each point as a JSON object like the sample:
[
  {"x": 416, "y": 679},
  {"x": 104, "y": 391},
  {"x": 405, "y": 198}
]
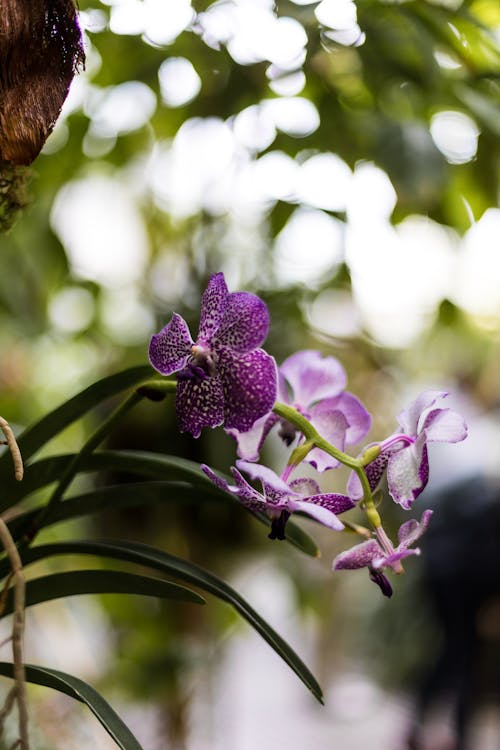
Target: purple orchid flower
[
  {"x": 314, "y": 385},
  {"x": 405, "y": 455},
  {"x": 379, "y": 553},
  {"x": 223, "y": 377},
  {"x": 278, "y": 500}
]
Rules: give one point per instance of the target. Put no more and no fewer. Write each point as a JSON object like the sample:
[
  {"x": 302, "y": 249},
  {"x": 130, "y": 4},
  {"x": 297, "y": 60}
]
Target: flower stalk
[{"x": 315, "y": 440}]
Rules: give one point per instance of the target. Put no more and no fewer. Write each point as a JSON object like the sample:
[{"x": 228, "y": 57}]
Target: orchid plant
[{"x": 222, "y": 379}]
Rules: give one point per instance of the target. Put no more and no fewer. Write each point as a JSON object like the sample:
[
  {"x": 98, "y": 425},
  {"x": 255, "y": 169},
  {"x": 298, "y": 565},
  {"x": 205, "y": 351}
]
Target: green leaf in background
[
  {"x": 143, "y": 554},
  {"x": 143, "y": 463},
  {"x": 76, "y": 688},
  {"x": 59, "y": 585},
  {"x": 34, "y": 437},
  {"x": 186, "y": 483}
]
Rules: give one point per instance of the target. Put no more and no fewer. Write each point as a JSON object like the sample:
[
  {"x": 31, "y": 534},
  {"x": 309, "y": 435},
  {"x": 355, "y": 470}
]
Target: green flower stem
[
  {"x": 314, "y": 439},
  {"x": 93, "y": 441}
]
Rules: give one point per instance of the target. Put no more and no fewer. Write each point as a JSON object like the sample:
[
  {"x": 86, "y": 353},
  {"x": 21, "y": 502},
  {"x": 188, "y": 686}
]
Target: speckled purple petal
[
  {"x": 332, "y": 501},
  {"x": 245, "y": 323},
  {"x": 169, "y": 349},
  {"x": 332, "y": 425},
  {"x": 408, "y": 472},
  {"x": 213, "y": 307},
  {"x": 318, "y": 512},
  {"x": 249, "y": 383},
  {"x": 409, "y": 418},
  {"x": 275, "y": 491},
  {"x": 444, "y": 426},
  {"x": 412, "y": 530},
  {"x": 219, "y": 482},
  {"x": 244, "y": 492},
  {"x": 199, "y": 403},
  {"x": 313, "y": 377},
  {"x": 359, "y": 556},
  {"x": 250, "y": 442},
  {"x": 374, "y": 471}
]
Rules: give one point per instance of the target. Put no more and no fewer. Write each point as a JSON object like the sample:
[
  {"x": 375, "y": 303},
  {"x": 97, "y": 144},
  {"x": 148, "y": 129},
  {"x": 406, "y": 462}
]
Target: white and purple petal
[
  {"x": 393, "y": 560},
  {"x": 360, "y": 556},
  {"x": 245, "y": 324},
  {"x": 444, "y": 426},
  {"x": 213, "y": 307},
  {"x": 250, "y": 442},
  {"x": 248, "y": 495},
  {"x": 313, "y": 377},
  {"x": 199, "y": 403},
  {"x": 409, "y": 418},
  {"x": 317, "y": 511},
  {"x": 358, "y": 418},
  {"x": 412, "y": 530},
  {"x": 170, "y": 348},
  {"x": 275, "y": 491},
  {"x": 249, "y": 383},
  {"x": 408, "y": 472}
]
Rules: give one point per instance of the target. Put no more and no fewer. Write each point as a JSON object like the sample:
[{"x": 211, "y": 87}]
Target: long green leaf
[
  {"x": 155, "y": 465},
  {"x": 78, "y": 689},
  {"x": 116, "y": 496},
  {"x": 186, "y": 571},
  {"x": 142, "y": 463},
  {"x": 60, "y": 585},
  {"x": 34, "y": 437}
]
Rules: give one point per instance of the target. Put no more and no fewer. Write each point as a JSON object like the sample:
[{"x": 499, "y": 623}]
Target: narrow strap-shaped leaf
[
  {"x": 115, "y": 496},
  {"x": 191, "y": 573},
  {"x": 81, "y": 691},
  {"x": 142, "y": 463},
  {"x": 146, "y": 493},
  {"x": 75, "y": 582},
  {"x": 51, "y": 424},
  {"x": 145, "y": 463}
]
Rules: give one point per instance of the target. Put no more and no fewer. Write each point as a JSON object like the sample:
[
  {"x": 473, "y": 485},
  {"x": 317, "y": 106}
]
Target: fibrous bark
[{"x": 40, "y": 50}]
